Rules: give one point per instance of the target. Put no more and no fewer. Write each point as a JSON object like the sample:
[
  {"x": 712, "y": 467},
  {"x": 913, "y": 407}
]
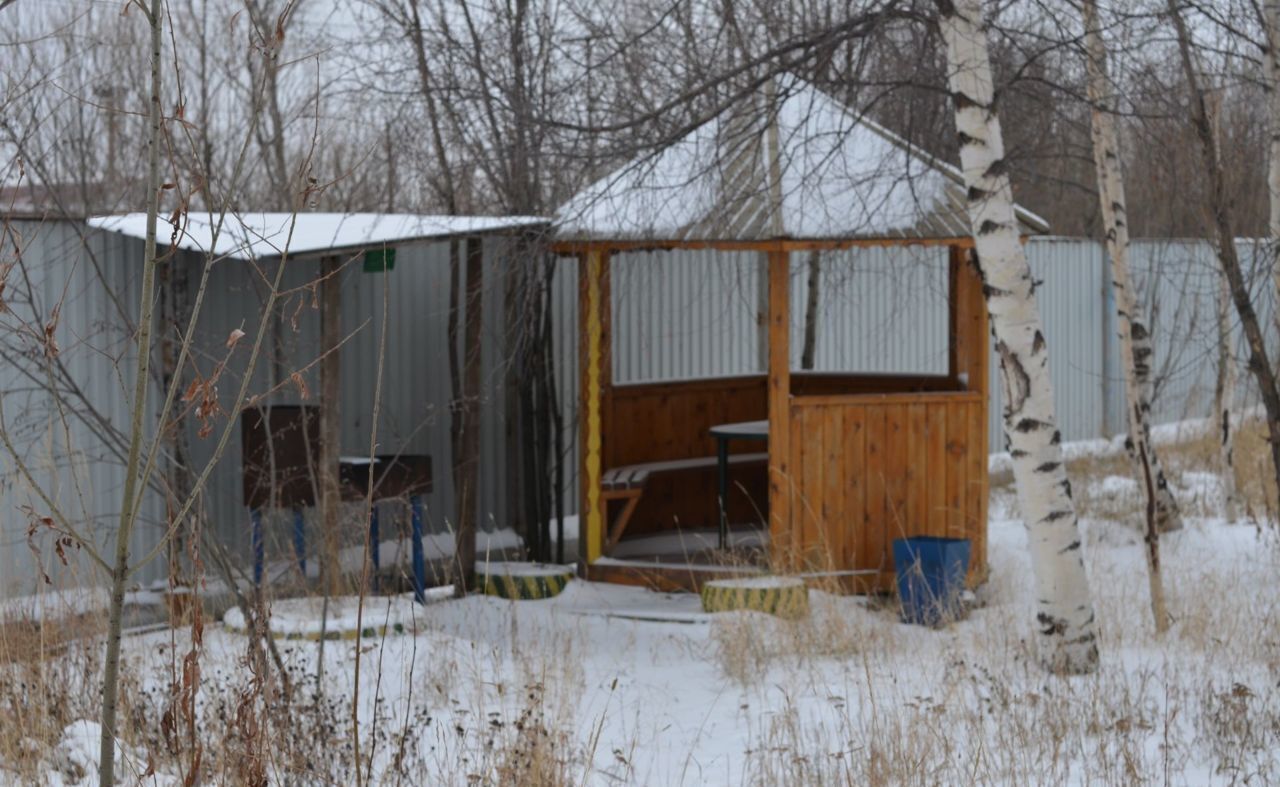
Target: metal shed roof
[
  {"x": 787, "y": 162},
  {"x": 252, "y": 235}
]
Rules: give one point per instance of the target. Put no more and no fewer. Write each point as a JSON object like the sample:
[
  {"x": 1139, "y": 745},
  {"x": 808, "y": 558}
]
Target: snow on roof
[
  {"x": 252, "y": 235},
  {"x": 789, "y": 162}
]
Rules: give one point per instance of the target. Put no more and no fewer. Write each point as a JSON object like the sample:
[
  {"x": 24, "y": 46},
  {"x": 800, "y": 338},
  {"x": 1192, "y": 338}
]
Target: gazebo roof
[{"x": 788, "y": 162}]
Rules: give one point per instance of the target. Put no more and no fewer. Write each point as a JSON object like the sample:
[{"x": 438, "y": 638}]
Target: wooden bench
[{"x": 628, "y": 483}]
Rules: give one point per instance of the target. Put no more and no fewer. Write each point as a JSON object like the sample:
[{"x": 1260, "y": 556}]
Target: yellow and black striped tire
[
  {"x": 522, "y": 581},
  {"x": 785, "y": 598}
]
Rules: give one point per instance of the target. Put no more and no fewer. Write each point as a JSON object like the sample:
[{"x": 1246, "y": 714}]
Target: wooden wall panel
[
  {"x": 855, "y": 483},
  {"x": 661, "y": 421},
  {"x": 939, "y": 468},
  {"x": 834, "y": 521},
  {"x": 875, "y": 511},
  {"x": 872, "y": 469}
]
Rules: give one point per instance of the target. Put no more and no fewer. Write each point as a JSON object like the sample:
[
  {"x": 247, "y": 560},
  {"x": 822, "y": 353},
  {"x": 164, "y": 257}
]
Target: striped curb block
[
  {"x": 522, "y": 581},
  {"x": 784, "y": 598}
]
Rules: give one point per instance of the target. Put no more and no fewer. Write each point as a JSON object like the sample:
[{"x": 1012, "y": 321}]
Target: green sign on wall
[{"x": 379, "y": 261}]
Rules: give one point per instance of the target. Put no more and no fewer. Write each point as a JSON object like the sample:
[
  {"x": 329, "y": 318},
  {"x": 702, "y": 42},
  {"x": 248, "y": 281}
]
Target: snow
[
  {"x": 640, "y": 687},
  {"x": 757, "y": 583},
  {"x": 522, "y": 569},
  {"x": 252, "y": 235},
  {"x": 841, "y": 176},
  {"x": 74, "y": 761},
  {"x": 1170, "y": 433},
  {"x": 308, "y": 617},
  {"x": 55, "y": 604}
]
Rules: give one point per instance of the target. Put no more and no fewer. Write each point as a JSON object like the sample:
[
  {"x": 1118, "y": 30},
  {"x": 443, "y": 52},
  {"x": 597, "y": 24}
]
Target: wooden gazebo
[{"x": 853, "y": 460}]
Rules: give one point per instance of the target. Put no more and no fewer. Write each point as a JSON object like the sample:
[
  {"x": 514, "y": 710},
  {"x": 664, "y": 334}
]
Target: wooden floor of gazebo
[{"x": 685, "y": 560}]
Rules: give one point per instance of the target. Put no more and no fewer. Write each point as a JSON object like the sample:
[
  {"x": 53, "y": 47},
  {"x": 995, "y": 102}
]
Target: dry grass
[{"x": 844, "y": 696}]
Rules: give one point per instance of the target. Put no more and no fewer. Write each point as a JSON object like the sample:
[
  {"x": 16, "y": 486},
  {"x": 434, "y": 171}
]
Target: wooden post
[
  {"x": 594, "y": 340},
  {"x": 970, "y": 348},
  {"x": 468, "y": 519},
  {"x": 968, "y": 312},
  {"x": 780, "y": 483},
  {"x": 330, "y": 420}
]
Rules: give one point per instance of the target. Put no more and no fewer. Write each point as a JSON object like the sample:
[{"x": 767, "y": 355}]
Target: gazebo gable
[{"x": 786, "y": 162}]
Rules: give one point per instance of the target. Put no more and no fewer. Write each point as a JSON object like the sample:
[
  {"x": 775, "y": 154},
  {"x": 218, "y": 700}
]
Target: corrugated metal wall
[
  {"x": 676, "y": 315},
  {"x": 65, "y": 441},
  {"x": 416, "y": 390},
  {"x": 414, "y": 416}
]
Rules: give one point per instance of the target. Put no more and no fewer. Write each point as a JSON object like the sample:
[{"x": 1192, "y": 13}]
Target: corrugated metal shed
[{"x": 95, "y": 277}]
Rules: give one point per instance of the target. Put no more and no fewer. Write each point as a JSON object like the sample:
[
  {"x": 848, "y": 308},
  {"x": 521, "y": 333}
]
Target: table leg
[
  {"x": 419, "y": 559},
  {"x": 722, "y": 464},
  {"x": 300, "y": 541},
  {"x": 255, "y": 540}
]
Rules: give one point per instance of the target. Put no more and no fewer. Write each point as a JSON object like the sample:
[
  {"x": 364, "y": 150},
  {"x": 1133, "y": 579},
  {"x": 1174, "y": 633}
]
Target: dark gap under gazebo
[{"x": 842, "y": 463}]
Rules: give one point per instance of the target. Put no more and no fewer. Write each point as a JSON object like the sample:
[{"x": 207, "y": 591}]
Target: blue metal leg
[
  {"x": 255, "y": 539},
  {"x": 722, "y": 467},
  {"x": 300, "y": 541},
  {"x": 419, "y": 560},
  {"x": 374, "y": 541}
]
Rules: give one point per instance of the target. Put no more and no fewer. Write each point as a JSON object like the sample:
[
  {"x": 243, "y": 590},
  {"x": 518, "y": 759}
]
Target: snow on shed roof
[
  {"x": 253, "y": 234},
  {"x": 788, "y": 162}
]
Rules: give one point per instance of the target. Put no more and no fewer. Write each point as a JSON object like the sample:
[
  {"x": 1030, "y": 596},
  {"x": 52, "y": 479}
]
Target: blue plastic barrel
[{"x": 930, "y": 573}]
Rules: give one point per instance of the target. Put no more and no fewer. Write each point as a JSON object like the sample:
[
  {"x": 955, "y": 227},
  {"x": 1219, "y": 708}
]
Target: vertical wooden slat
[
  {"x": 792, "y": 541},
  {"x": 855, "y": 473},
  {"x": 810, "y": 442},
  {"x": 957, "y": 458},
  {"x": 875, "y": 519},
  {"x": 939, "y": 469},
  {"x": 916, "y": 478},
  {"x": 835, "y": 523},
  {"x": 780, "y": 521},
  {"x": 978, "y": 490},
  {"x": 895, "y": 469}
]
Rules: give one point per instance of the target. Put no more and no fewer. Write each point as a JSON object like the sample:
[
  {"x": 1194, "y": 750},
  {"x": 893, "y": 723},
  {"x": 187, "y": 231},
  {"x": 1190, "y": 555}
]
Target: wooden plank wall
[
  {"x": 660, "y": 421},
  {"x": 869, "y": 469},
  {"x": 663, "y": 421}
]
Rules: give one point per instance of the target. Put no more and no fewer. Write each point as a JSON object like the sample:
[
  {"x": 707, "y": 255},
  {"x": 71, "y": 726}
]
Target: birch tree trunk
[
  {"x": 1223, "y": 398},
  {"x": 1219, "y": 207},
  {"x": 1271, "y": 65},
  {"x": 1064, "y": 615},
  {"x": 1136, "y": 352}
]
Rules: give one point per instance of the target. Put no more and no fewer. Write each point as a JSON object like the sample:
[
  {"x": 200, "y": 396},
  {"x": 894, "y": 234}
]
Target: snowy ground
[{"x": 613, "y": 685}]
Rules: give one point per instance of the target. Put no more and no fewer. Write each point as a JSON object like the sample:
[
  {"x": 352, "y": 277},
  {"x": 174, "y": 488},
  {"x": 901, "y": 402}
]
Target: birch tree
[
  {"x": 1223, "y": 398},
  {"x": 1271, "y": 67},
  {"x": 1064, "y": 612},
  {"x": 1219, "y": 207},
  {"x": 1136, "y": 352}
]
